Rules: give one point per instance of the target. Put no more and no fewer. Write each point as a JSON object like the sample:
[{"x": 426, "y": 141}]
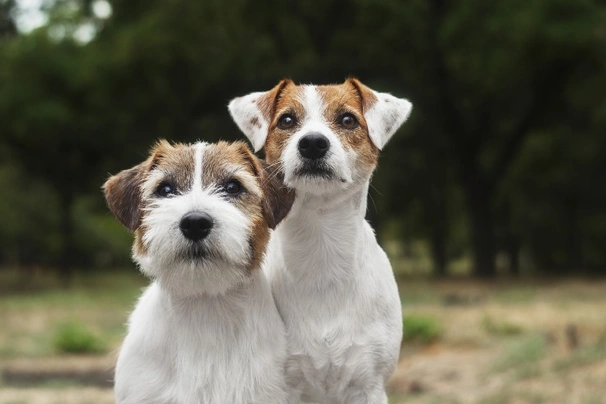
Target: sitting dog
[
  {"x": 207, "y": 329},
  {"x": 332, "y": 283}
]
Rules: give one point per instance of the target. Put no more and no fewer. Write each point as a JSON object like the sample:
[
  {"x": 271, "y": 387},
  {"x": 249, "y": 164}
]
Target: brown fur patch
[
  {"x": 266, "y": 209},
  {"x": 346, "y": 98},
  {"x": 288, "y": 102},
  {"x": 176, "y": 162},
  {"x": 265, "y": 202},
  {"x": 350, "y": 97}
]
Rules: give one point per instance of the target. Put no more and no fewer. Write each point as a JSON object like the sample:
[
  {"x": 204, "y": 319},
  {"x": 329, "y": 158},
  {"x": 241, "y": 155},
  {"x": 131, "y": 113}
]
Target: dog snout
[
  {"x": 313, "y": 146},
  {"x": 196, "y": 225}
]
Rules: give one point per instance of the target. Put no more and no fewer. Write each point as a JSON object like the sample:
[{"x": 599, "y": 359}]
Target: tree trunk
[
  {"x": 436, "y": 218},
  {"x": 67, "y": 245},
  {"x": 479, "y": 202},
  {"x": 438, "y": 252},
  {"x": 513, "y": 252}
]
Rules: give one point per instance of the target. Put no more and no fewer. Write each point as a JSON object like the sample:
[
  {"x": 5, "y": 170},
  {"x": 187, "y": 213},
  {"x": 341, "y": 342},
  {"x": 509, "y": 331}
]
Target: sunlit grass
[{"x": 100, "y": 303}]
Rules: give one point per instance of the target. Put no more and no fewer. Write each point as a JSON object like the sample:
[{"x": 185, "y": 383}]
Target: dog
[
  {"x": 206, "y": 330},
  {"x": 332, "y": 283}
]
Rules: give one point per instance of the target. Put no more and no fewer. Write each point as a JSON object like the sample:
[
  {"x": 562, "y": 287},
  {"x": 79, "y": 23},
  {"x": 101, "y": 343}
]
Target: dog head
[
  {"x": 324, "y": 138},
  {"x": 201, "y": 214}
]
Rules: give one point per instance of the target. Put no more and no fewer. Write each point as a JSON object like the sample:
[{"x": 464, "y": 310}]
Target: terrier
[
  {"x": 206, "y": 330},
  {"x": 332, "y": 282}
]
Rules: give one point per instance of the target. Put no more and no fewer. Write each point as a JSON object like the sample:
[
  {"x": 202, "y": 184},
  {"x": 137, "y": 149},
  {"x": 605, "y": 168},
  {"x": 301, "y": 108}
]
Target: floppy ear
[
  {"x": 277, "y": 197},
  {"x": 123, "y": 196},
  {"x": 253, "y": 113},
  {"x": 383, "y": 113}
]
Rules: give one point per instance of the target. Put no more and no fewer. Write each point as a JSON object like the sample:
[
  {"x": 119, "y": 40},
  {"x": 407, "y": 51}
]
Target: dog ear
[
  {"x": 277, "y": 197},
  {"x": 383, "y": 113},
  {"x": 123, "y": 196},
  {"x": 253, "y": 113}
]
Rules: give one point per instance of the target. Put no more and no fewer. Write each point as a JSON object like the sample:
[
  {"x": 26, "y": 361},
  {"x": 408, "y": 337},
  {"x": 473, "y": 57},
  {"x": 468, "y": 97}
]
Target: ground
[{"x": 532, "y": 341}]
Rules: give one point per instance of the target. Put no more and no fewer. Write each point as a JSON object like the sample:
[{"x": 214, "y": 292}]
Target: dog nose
[
  {"x": 196, "y": 225},
  {"x": 313, "y": 146}
]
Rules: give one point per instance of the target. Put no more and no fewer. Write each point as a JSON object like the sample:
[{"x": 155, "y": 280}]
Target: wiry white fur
[
  {"x": 166, "y": 246},
  {"x": 205, "y": 332},
  {"x": 332, "y": 282}
]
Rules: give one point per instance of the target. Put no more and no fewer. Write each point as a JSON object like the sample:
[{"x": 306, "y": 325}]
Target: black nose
[
  {"x": 196, "y": 225},
  {"x": 313, "y": 146}
]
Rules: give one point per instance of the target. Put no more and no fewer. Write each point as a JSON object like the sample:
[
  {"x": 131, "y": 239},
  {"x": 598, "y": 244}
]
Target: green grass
[
  {"x": 582, "y": 356},
  {"x": 39, "y": 319},
  {"x": 500, "y": 327},
  {"x": 422, "y": 329},
  {"x": 75, "y": 337},
  {"x": 522, "y": 356}
]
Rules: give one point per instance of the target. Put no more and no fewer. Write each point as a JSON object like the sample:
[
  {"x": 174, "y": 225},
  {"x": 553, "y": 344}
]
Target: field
[{"x": 541, "y": 341}]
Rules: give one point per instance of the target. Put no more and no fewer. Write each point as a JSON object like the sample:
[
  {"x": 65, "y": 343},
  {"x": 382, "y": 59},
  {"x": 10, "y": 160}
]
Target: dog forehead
[
  {"x": 224, "y": 159},
  {"x": 314, "y": 102},
  {"x": 178, "y": 161},
  {"x": 339, "y": 97}
]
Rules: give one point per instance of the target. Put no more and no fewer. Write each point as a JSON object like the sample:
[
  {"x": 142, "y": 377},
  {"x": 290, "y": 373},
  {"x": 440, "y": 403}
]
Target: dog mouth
[
  {"x": 313, "y": 169},
  {"x": 196, "y": 252}
]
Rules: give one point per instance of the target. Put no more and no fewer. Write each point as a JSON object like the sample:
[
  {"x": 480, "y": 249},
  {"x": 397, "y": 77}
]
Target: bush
[
  {"x": 421, "y": 329},
  {"x": 73, "y": 337}
]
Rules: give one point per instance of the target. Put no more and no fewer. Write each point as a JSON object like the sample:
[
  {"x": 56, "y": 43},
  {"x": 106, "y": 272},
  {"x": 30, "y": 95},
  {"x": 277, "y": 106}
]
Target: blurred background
[{"x": 490, "y": 200}]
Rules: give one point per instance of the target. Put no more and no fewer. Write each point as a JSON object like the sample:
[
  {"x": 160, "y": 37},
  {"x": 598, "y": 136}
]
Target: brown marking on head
[
  {"x": 266, "y": 200},
  {"x": 124, "y": 191},
  {"x": 349, "y": 98},
  {"x": 289, "y": 102}
]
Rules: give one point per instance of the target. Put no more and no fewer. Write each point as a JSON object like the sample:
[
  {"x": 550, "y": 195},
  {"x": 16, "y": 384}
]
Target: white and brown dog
[
  {"x": 207, "y": 329},
  {"x": 332, "y": 283}
]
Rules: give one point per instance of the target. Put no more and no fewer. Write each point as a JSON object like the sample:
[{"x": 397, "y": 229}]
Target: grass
[
  {"x": 74, "y": 337},
  {"x": 42, "y": 321},
  {"x": 580, "y": 357},
  {"x": 500, "y": 328},
  {"x": 522, "y": 355},
  {"x": 422, "y": 329},
  {"x": 509, "y": 346}
]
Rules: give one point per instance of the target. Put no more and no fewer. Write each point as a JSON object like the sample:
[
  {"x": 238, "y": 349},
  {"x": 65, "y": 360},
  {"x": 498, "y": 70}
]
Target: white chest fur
[
  {"x": 206, "y": 350},
  {"x": 337, "y": 295}
]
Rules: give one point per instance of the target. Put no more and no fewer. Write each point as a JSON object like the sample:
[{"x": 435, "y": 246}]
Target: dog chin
[
  {"x": 315, "y": 178},
  {"x": 194, "y": 271}
]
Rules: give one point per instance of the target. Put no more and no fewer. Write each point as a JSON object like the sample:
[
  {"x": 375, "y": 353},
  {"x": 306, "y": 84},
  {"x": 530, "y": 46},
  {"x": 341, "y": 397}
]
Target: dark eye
[
  {"x": 348, "y": 121},
  {"x": 233, "y": 188},
  {"x": 165, "y": 190},
  {"x": 286, "y": 121}
]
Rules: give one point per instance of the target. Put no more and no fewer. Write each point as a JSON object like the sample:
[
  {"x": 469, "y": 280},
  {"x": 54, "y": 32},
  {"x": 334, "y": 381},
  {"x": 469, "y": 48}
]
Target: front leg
[{"x": 356, "y": 395}]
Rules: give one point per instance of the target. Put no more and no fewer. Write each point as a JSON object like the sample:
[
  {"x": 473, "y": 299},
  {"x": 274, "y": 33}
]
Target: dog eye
[
  {"x": 348, "y": 121},
  {"x": 165, "y": 190},
  {"x": 286, "y": 121},
  {"x": 233, "y": 188}
]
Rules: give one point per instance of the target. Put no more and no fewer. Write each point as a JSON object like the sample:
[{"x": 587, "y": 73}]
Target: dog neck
[
  {"x": 324, "y": 233},
  {"x": 234, "y": 300}
]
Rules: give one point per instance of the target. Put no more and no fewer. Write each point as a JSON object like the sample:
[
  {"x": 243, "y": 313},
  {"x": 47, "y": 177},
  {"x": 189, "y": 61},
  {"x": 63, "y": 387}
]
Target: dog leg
[{"x": 366, "y": 396}]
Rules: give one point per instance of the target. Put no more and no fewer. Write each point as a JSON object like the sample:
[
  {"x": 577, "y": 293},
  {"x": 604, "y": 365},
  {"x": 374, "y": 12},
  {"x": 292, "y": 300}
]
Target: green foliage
[
  {"x": 422, "y": 329},
  {"x": 74, "y": 337},
  {"x": 500, "y": 327},
  {"x": 503, "y": 153}
]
